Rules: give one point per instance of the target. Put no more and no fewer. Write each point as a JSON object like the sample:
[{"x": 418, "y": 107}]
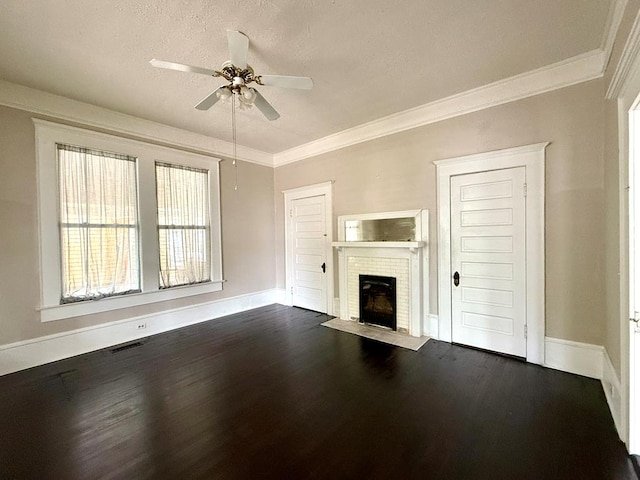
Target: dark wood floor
[{"x": 271, "y": 394}]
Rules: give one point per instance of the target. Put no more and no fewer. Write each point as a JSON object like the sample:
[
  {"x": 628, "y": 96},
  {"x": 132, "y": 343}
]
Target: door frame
[
  {"x": 625, "y": 90},
  {"x": 326, "y": 189},
  {"x": 532, "y": 157},
  {"x": 628, "y": 290}
]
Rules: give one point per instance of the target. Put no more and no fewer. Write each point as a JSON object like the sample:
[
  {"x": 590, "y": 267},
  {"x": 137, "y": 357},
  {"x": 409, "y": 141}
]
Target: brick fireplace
[
  {"x": 397, "y": 268},
  {"x": 405, "y": 261}
]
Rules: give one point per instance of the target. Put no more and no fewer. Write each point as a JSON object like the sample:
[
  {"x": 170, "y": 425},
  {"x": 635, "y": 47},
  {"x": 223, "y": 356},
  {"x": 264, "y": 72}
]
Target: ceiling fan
[{"x": 240, "y": 75}]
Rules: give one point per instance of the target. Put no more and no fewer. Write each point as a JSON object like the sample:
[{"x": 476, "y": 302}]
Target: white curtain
[
  {"x": 183, "y": 224},
  {"x": 98, "y": 224}
]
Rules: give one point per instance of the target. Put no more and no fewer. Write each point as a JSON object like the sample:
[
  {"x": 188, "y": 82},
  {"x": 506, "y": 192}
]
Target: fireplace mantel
[{"x": 405, "y": 260}]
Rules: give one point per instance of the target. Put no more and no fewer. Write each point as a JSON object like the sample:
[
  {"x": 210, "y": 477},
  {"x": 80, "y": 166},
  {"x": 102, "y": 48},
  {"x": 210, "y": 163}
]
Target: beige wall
[
  {"x": 247, "y": 237},
  {"x": 396, "y": 173},
  {"x": 390, "y": 173}
]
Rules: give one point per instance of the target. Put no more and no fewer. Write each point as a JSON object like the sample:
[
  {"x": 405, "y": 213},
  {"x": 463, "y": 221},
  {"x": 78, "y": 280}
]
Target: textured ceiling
[{"x": 368, "y": 58}]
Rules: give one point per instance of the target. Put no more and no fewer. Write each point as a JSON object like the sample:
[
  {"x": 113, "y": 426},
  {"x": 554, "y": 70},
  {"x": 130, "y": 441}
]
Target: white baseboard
[
  {"x": 613, "y": 391},
  {"x": 590, "y": 361},
  {"x": 281, "y": 296},
  {"x": 434, "y": 323},
  {"x": 336, "y": 307},
  {"x": 430, "y": 326},
  {"x": 38, "y": 351},
  {"x": 283, "y": 299},
  {"x": 573, "y": 357}
]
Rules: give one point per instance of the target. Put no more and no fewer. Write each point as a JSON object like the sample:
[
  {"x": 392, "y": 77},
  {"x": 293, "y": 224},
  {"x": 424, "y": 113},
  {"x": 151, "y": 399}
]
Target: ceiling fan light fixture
[
  {"x": 248, "y": 93},
  {"x": 224, "y": 94}
]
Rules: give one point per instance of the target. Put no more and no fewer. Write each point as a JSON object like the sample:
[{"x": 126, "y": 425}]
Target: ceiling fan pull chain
[{"x": 233, "y": 124}]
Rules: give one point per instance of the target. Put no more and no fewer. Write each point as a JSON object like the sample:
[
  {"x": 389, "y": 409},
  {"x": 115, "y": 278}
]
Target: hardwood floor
[{"x": 271, "y": 394}]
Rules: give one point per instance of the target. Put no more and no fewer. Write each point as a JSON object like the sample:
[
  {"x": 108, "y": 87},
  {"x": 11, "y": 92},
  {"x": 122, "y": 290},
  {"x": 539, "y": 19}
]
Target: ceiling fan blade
[
  {"x": 265, "y": 107},
  {"x": 182, "y": 67},
  {"x": 303, "y": 83},
  {"x": 238, "y": 48},
  {"x": 207, "y": 102}
]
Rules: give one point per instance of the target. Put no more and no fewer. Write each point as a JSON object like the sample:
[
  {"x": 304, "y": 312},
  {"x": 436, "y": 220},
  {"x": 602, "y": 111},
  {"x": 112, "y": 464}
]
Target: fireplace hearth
[{"x": 378, "y": 301}]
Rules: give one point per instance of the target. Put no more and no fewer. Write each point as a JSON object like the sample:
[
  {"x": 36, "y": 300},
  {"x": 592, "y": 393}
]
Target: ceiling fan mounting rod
[{"x": 230, "y": 72}]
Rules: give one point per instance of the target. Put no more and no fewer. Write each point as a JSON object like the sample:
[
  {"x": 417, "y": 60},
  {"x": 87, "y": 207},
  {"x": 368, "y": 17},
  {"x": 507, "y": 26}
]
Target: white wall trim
[
  {"x": 624, "y": 88},
  {"x": 581, "y": 68},
  {"x": 62, "y": 108},
  {"x": 532, "y": 157},
  {"x": 571, "y": 71},
  {"x": 616, "y": 12},
  {"x": 591, "y": 361},
  {"x": 430, "y": 325},
  {"x": 281, "y": 296},
  {"x": 336, "y": 307},
  {"x": 38, "y": 351},
  {"x": 612, "y": 390},
  {"x": 574, "y": 357},
  {"x": 627, "y": 60}
]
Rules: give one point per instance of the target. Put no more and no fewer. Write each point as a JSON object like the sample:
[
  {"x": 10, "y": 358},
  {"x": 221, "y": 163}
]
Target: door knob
[
  {"x": 324, "y": 268},
  {"x": 456, "y": 279}
]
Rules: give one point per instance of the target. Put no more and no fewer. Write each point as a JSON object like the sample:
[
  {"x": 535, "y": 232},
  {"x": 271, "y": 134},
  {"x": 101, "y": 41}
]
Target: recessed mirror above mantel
[
  {"x": 401, "y": 229},
  {"x": 386, "y": 229}
]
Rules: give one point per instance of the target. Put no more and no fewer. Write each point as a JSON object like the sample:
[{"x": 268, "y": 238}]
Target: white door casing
[
  {"x": 488, "y": 304},
  {"x": 532, "y": 158},
  {"x": 625, "y": 90},
  {"x": 633, "y": 310},
  {"x": 308, "y": 236}
]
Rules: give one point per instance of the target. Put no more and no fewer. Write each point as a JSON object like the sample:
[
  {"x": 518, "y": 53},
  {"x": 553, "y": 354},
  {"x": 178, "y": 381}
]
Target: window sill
[{"x": 69, "y": 310}]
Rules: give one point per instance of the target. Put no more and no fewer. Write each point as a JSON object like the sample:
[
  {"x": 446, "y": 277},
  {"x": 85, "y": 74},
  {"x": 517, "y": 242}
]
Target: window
[
  {"x": 121, "y": 221},
  {"x": 98, "y": 223},
  {"x": 183, "y": 224}
]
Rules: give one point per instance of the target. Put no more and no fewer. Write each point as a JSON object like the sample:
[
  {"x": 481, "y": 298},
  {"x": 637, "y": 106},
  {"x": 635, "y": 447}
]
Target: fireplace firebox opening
[{"x": 378, "y": 301}]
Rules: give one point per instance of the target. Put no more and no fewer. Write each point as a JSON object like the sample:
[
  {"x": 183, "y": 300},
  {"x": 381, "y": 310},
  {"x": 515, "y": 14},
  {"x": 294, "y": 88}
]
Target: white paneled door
[
  {"x": 488, "y": 284},
  {"x": 309, "y": 286}
]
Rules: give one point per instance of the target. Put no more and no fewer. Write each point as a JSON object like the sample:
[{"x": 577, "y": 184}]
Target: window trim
[{"x": 48, "y": 134}]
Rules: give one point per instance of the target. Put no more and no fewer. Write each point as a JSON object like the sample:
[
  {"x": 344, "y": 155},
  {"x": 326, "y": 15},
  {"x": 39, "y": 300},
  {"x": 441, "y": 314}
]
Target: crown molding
[
  {"x": 581, "y": 68},
  {"x": 62, "y": 108},
  {"x": 616, "y": 12},
  {"x": 627, "y": 61}
]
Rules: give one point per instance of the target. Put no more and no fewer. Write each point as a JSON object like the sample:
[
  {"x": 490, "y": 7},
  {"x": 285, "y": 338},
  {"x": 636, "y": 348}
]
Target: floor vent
[{"x": 126, "y": 347}]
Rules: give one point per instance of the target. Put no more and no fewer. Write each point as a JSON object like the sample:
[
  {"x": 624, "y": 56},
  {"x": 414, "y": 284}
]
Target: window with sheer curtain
[
  {"x": 98, "y": 224},
  {"x": 116, "y": 230},
  {"x": 183, "y": 224}
]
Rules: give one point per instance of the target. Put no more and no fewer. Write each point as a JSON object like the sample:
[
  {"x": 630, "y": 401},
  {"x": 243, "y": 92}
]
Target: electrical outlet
[{"x": 140, "y": 326}]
